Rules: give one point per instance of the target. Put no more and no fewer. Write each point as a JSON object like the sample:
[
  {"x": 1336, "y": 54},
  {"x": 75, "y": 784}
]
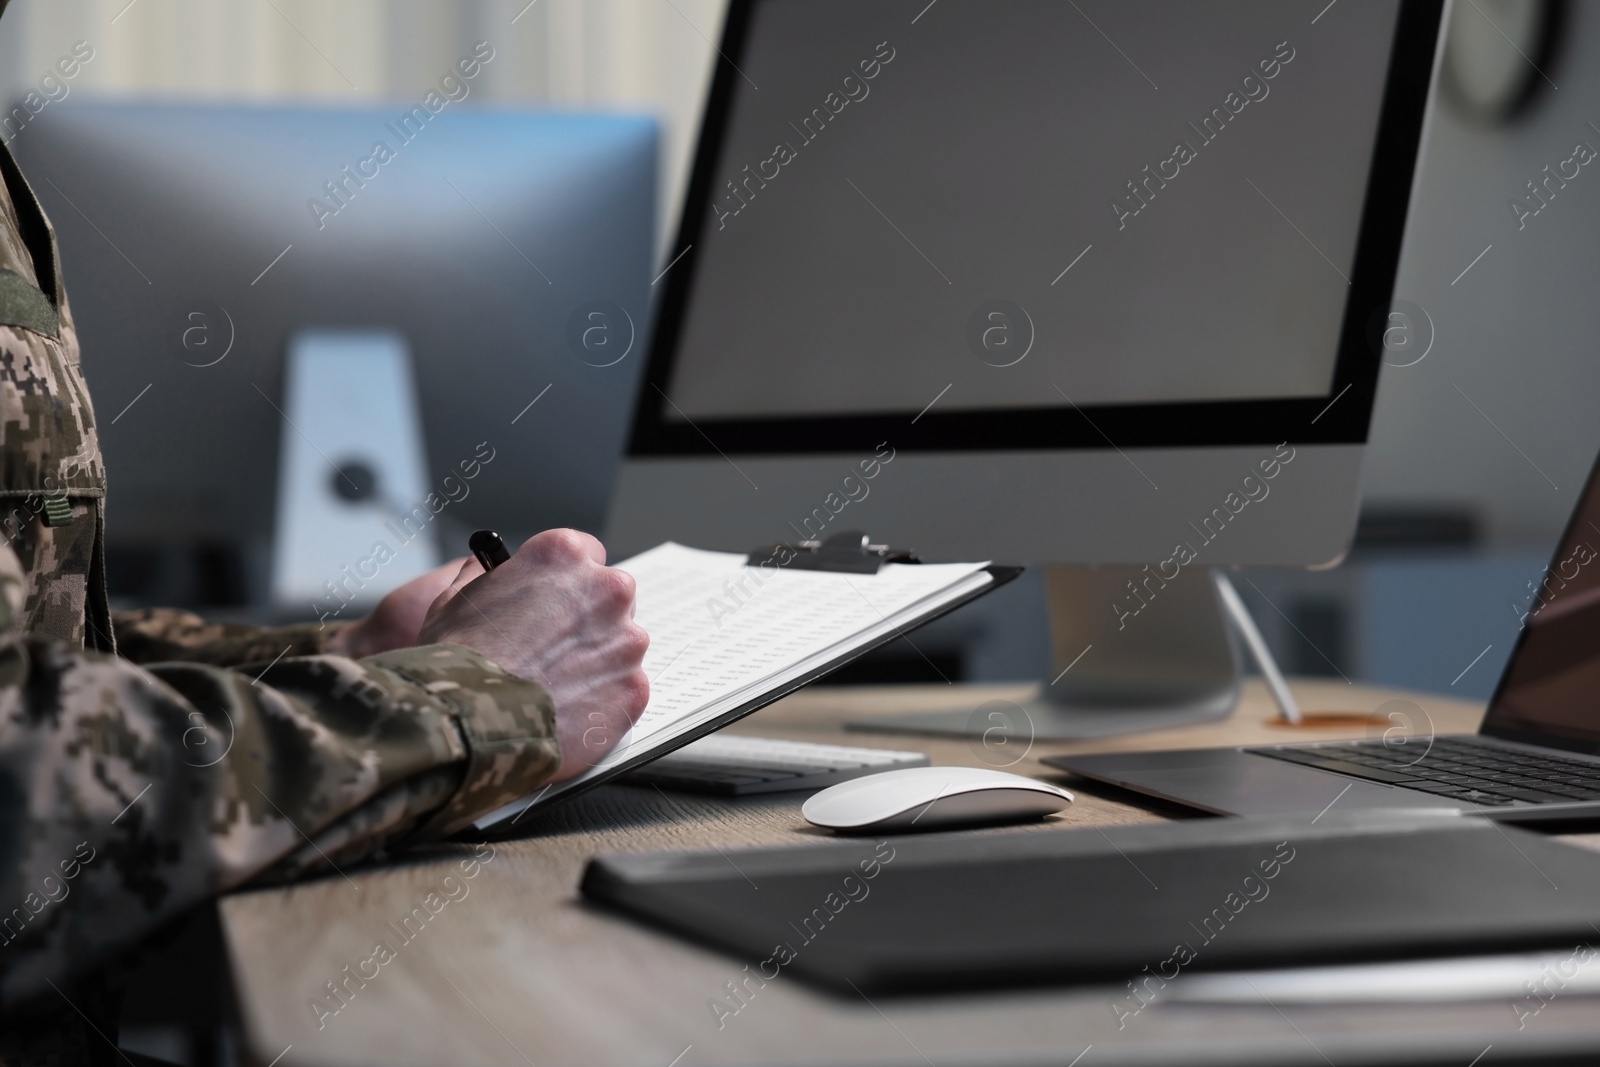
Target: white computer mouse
[{"x": 932, "y": 798}]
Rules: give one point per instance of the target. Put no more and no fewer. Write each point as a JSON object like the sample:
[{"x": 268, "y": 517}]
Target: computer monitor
[
  {"x": 1094, "y": 283},
  {"x": 509, "y": 251},
  {"x": 1078, "y": 283}
]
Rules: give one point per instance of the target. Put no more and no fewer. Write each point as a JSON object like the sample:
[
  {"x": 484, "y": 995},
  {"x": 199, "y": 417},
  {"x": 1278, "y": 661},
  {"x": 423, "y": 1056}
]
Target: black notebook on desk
[
  {"x": 729, "y": 634},
  {"x": 982, "y": 909}
]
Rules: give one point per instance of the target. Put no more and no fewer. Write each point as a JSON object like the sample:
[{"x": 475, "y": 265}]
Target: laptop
[{"x": 1535, "y": 758}]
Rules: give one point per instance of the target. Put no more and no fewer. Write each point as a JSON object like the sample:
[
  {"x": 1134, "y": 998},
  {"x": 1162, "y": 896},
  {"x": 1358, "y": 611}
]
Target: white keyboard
[{"x": 733, "y": 765}]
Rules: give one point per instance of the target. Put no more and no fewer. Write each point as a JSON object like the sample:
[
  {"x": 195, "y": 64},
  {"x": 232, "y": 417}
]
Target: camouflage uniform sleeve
[
  {"x": 129, "y": 795},
  {"x": 156, "y": 635}
]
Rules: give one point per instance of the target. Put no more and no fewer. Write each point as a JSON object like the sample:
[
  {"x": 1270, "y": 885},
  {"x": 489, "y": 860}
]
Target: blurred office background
[
  {"x": 629, "y": 55},
  {"x": 1478, "y": 449}
]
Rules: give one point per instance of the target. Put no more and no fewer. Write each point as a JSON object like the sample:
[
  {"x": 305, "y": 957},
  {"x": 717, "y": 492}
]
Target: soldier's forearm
[
  {"x": 136, "y": 794},
  {"x": 161, "y": 635}
]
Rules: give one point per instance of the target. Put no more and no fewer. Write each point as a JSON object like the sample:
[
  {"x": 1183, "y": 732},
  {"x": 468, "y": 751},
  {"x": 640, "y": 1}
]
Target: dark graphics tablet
[{"x": 985, "y": 909}]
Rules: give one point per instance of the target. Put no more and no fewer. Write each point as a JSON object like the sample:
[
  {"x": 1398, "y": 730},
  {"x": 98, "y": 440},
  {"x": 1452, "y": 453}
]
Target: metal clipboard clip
[{"x": 846, "y": 552}]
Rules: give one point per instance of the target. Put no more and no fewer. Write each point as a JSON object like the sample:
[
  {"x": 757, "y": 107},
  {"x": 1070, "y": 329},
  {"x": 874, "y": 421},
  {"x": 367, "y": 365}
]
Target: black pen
[{"x": 488, "y": 548}]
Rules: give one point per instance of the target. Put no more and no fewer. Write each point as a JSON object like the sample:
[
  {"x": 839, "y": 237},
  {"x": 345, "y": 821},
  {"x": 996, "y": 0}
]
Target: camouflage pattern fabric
[
  {"x": 155, "y": 635},
  {"x": 128, "y": 795},
  {"x": 131, "y": 793},
  {"x": 52, "y": 482}
]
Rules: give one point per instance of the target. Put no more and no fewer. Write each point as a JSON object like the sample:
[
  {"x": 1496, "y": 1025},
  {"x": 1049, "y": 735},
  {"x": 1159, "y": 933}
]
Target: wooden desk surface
[{"x": 512, "y": 968}]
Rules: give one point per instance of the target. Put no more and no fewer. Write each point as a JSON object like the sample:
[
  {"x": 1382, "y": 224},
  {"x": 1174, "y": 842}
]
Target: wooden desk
[{"x": 520, "y": 971}]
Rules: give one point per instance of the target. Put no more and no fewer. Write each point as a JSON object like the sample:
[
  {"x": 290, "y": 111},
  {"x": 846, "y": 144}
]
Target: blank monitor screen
[{"x": 1036, "y": 203}]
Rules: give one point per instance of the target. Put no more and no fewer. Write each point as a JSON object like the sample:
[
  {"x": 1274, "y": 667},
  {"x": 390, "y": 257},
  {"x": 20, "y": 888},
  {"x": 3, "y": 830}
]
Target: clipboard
[{"x": 850, "y": 553}]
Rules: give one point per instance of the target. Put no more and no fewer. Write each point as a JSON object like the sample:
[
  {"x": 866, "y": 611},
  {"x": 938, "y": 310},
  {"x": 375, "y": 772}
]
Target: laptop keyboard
[{"x": 1460, "y": 768}]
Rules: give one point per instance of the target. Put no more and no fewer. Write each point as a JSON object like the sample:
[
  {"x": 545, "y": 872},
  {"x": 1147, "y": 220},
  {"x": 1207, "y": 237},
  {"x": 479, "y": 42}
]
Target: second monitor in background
[{"x": 510, "y": 251}]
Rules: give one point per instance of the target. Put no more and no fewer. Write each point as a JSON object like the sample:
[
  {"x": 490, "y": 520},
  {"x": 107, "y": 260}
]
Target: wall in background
[
  {"x": 1518, "y": 334},
  {"x": 633, "y": 55}
]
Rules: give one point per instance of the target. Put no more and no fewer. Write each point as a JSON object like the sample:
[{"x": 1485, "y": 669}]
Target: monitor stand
[{"x": 1132, "y": 652}]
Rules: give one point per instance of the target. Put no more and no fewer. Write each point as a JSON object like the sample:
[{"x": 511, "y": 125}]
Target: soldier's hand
[
  {"x": 555, "y": 613},
  {"x": 397, "y": 620}
]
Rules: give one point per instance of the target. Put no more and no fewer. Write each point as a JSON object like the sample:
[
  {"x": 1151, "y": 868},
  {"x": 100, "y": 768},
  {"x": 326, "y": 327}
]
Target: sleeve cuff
[{"x": 507, "y": 722}]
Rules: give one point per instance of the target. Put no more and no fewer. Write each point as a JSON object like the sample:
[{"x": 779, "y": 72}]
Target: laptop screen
[{"x": 1550, "y": 692}]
